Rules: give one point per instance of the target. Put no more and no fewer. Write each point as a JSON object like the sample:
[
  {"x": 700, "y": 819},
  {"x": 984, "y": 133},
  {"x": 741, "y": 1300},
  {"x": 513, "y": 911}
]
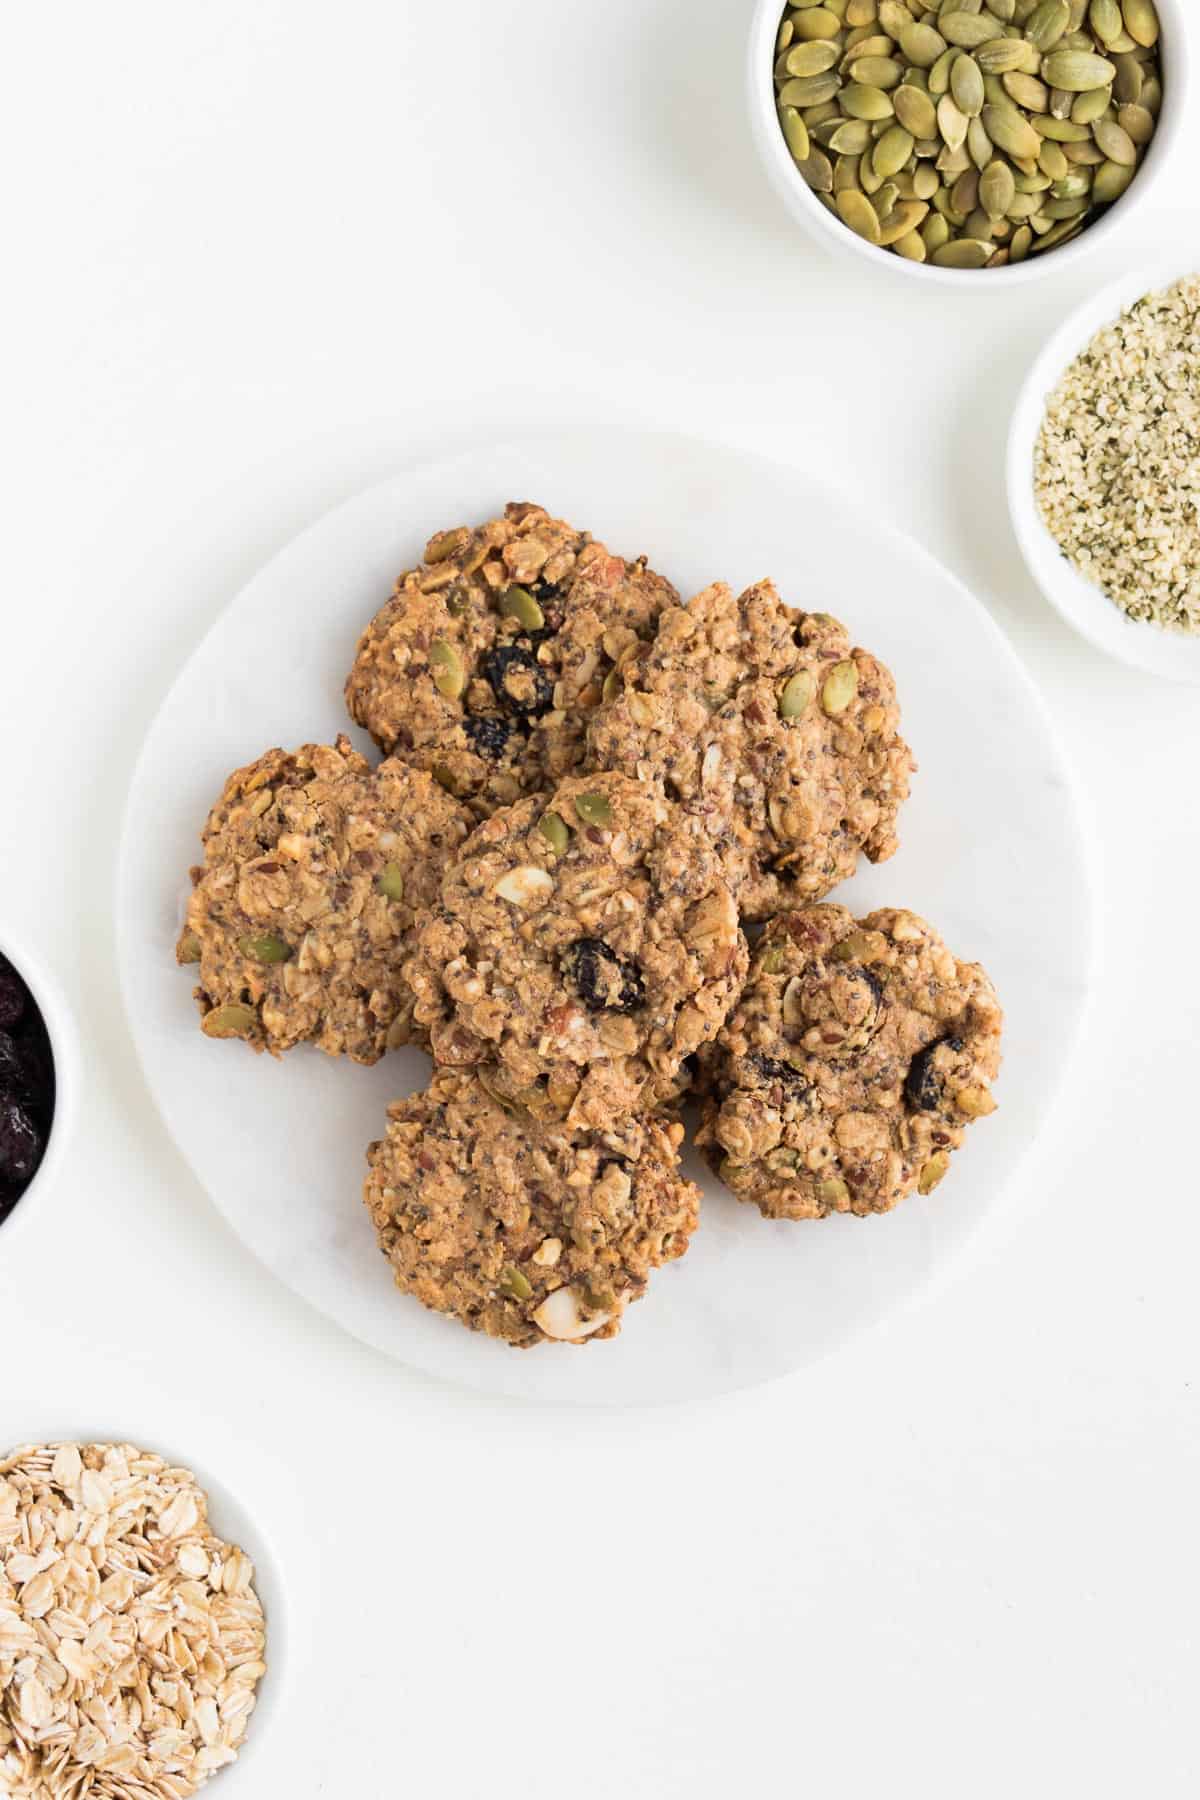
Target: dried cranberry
[
  {"x": 604, "y": 981},
  {"x": 13, "y": 994},
  {"x": 20, "y": 1144},
  {"x": 518, "y": 681},
  {"x": 489, "y": 737},
  {"x": 923, "y": 1085}
]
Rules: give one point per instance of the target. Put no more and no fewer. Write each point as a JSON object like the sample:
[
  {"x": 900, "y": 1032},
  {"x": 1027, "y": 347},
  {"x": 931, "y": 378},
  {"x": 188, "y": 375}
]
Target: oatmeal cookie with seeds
[
  {"x": 517, "y": 1227},
  {"x": 316, "y": 867},
  {"x": 773, "y": 732},
  {"x": 848, "y": 1072},
  {"x": 586, "y": 943},
  {"x": 485, "y": 664}
]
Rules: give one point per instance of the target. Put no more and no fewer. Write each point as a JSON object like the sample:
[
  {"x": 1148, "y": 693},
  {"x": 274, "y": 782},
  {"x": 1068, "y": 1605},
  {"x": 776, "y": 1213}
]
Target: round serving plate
[{"x": 991, "y": 853}]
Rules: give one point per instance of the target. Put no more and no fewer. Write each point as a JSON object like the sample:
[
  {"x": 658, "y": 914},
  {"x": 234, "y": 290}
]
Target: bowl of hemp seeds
[
  {"x": 1104, "y": 470},
  {"x": 953, "y": 140}
]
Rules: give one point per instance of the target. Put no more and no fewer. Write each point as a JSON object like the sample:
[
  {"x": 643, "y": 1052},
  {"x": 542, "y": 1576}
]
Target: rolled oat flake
[{"x": 1117, "y": 464}]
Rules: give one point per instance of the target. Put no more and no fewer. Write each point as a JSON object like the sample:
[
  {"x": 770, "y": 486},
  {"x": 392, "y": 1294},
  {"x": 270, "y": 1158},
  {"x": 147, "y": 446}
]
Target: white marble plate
[{"x": 991, "y": 853}]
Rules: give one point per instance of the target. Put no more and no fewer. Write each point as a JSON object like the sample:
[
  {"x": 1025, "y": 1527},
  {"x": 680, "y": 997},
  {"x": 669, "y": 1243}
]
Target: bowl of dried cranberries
[{"x": 36, "y": 1059}]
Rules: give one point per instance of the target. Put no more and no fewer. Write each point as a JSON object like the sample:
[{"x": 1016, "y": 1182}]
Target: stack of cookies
[{"x": 589, "y": 793}]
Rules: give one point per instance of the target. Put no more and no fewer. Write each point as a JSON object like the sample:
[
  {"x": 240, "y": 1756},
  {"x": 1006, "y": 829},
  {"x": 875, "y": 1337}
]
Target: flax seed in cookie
[
  {"x": 586, "y": 943},
  {"x": 848, "y": 1072},
  {"x": 315, "y": 869},
  {"x": 485, "y": 664},
  {"x": 773, "y": 731},
  {"x": 520, "y": 1228}
]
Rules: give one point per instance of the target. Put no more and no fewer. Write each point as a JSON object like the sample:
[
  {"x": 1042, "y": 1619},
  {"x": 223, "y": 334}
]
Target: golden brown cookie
[
  {"x": 519, "y": 1228},
  {"x": 315, "y": 869},
  {"x": 485, "y": 664},
  {"x": 776, "y": 734},
  {"x": 851, "y": 1066},
  {"x": 586, "y": 943}
]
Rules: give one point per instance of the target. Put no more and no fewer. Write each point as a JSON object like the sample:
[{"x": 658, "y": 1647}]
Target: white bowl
[
  {"x": 1152, "y": 648},
  {"x": 231, "y": 1521},
  {"x": 1177, "y": 58},
  {"x": 64, "y": 1049}
]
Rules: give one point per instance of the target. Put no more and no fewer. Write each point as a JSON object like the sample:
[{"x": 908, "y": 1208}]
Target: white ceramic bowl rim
[
  {"x": 1173, "y": 655},
  {"x": 64, "y": 1049},
  {"x": 812, "y": 216}
]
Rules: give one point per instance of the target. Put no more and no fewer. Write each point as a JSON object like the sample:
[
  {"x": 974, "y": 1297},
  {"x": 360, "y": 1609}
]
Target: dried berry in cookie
[
  {"x": 485, "y": 664},
  {"x": 519, "y": 1228},
  {"x": 777, "y": 735},
  {"x": 586, "y": 943},
  {"x": 851, "y": 1066},
  {"x": 316, "y": 868}
]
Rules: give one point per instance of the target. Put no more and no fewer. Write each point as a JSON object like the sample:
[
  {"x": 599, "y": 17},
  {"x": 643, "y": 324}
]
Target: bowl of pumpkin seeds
[{"x": 955, "y": 138}]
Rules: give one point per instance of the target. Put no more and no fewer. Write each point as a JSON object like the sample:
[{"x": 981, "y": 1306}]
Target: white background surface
[{"x": 258, "y": 256}]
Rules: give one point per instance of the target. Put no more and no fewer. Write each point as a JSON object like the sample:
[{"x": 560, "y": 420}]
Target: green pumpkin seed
[
  {"x": 1110, "y": 181},
  {"x": 1052, "y": 160},
  {"x": 1062, "y": 131},
  {"x": 449, "y": 676},
  {"x": 445, "y": 778},
  {"x": 868, "y": 180},
  {"x": 979, "y": 144},
  {"x": 939, "y": 75},
  {"x": 936, "y": 230},
  {"x": 1077, "y": 70},
  {"x": 997, "y": 189},
  {"x": 809, "y": 90},
  {"x": 809, "y": 59},
  {"x": 795, "y": 132},
  {"x": 1061, "y": 102},
  {"x": 1071, "y": 187},
  {"x": 1127, "y": 84},
  {"x": 845, "y": 175},
  {"x": 1047, "y": 23},
  {"x": 963, "y": 253},
  {"x": 1152, "y": 95},
  {"x": 796, "y": 694},
  {"x": 892, "y": 151},
  {"x": 839, "y": 688},
  {"x": 884, "y": 203},
  {"x": 964, "y": 195},
  {"x": 921, "y": 45},
  {"x": 1137, "y": 123},
  {"x": 967, "y": 30},
  {"x": 904, "y": 222},
  {"x": 952, "y": 122},
  {"x": 1115, "y": 142},
  {"x": 518, "y": 603},
  {"x": 877, "y": 71},
  {"x": 188, "y": 948},
  {"x": 785, "y": 34},
  {"x": 817, "y": 171},
  {"x": 1023, "y": 206},
  {"x": 858, "y": 213},
  {"x": 513, "y": 1282},
  {"x": 264, "y": 948},
  {"x": 833, "y": 1194},
  {"x": 391, "y": 881},
  {"x": 862, "y": 102},
  {"x": 1141, "y": 21},
  {"x": 230, "y": 1021},
  {"x": 593, "y": 809},
  {"x": 1002, "y": 55},
  {"x": 850, "y": 137},
  {"x": 1086, "y": 108},
  {"x": 1083, "y": 155},
  {"x": 915, "y": 111},
  {"x": 1010, "y": 131},
  {"x": 933, "y": 1171},
  {"x": 966, "y": 87},
  {"x": 1027, "y": 91},
  {"x": 1020, "y": 243},
  {"x": 816, "y": 22},
  {"x": 1105, "y": 19},
  {"x": 925, "y": 182},
  {"x": 894, "y": 18},
  {"x": 1066, "y": 209},
  {"x": 1062, "y": 233},
  {"x": 554, "y": 830},
  {"x": 911, "y": 248}
]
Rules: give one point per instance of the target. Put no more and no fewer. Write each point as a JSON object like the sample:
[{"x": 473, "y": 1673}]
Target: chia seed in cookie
[
  {"x": 586, "y": 943},
  {"x": 848, "y": 1072},
  {"x": 519, "y": 1228},
  {"x": 485, "y": 664},
  {"x": 316, "y": 867},
  {"x": 775, "y": 734}
]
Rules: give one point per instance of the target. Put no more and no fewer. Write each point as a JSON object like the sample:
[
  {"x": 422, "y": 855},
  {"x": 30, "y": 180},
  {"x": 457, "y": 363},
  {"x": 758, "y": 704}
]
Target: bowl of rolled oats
[
  {"x": 138, "y": 1616},
  {"x": 1104, "y": 470},
  {"x": 967, "y": 140}
]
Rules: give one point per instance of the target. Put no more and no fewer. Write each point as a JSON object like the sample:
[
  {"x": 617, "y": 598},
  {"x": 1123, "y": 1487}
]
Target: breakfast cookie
[
  {"x": 315, "y": 869},
  {"x": 485, "y": 664},
  {"x": 857, "y": 1055},
  {"x": 586, "y": 943},
  {"x": 519, "y": 1228},
  {"x": 776, "y": 735}
]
